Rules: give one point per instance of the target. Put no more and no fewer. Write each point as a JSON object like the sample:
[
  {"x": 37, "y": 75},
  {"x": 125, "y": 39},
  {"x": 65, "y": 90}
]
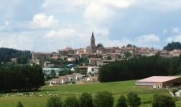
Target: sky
[{"x": 50, "y": 25}]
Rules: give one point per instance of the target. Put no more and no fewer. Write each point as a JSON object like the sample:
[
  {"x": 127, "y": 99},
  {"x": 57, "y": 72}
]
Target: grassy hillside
[{"x": 38, "y": 99}]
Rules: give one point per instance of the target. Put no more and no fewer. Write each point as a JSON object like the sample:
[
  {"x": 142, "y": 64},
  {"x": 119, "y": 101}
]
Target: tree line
[
  {"x": 172, "y": 46},
  {"x": 20, "y": 78},
  {"x": 7, "y": 53},
  {"x": 138, "y": 68},
  {"x": 106, "y": 99}
]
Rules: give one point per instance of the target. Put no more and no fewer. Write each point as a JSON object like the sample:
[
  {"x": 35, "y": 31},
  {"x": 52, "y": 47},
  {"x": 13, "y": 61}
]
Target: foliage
[
  {"x": 21, "y": 78},
  {"x": 137, "y": 68},
  {"x": 54, "y": 101},
  {"x": 6, "y": 54},
  {"x": 163, "y": 101},
  {"x": 133, "y": 99},
  {"x": 127, "y": 54},
  {"x": 103, "y": 99},
  {"x": 85, "y": 100},
  {"x": 172, "y": 46},
  {"x": 19, "y": 104},
  {"x": 52, "y": 74},
  {"x": 71, "y": 102},
  {"x": 175, "y": 89},
  {"x": 121, "y": 102}
]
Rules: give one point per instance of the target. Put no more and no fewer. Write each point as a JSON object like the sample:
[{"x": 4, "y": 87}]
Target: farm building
[{"x": 160, "y": 81}]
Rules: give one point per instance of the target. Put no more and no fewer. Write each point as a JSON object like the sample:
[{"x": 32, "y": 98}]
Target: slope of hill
[{"x": 7, "y": 53}]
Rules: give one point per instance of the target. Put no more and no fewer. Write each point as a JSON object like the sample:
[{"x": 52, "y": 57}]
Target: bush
[
  {"x": 163, "y": 101},
  {"x": 133, "y": 99},
  {"x": 121, "y": 102},
  {"x": 103, "y": 99},
  {"x": 85, "y": 100},
  {"x": 19, "y": 104},
  {"x": 71, "y": 102},
  {"x": 174, "y": 90},
  {"x": 54, "y": 101}
]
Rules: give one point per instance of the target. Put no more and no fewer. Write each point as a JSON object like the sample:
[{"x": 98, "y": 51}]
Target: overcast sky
[{"x": 49, "y": 25}]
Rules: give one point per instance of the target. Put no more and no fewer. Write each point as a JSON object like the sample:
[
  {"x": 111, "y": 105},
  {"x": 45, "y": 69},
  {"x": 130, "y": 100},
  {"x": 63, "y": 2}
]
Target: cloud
[
  {"x": 63, "y": 33},
  {"x": 48, "y": 3},
  {"x": 148, "y": 38},
  {"x": 16, "y": 41},
  {"x": 176, "y": 38},
  {"x": 42, "y": 20},
  {"x": 161, "y": 5},
  {"x": 118, "y": 3}
]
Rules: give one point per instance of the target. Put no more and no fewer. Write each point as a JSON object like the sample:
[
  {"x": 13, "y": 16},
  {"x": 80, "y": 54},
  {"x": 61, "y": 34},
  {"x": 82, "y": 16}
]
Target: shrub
[
  {"x": 85, "y": 100},
  {"x": 103, "y": 99},
  {"x": 163, "y": 101},
  {"x": 121, "y": 102},
  {"x": 54, "y": 101},
  {"x": 133, "y": 99},
  {"x": 19, "y": 104},
  {"x": 71, "y": 102},
  {"x": 174, "y": 90}
]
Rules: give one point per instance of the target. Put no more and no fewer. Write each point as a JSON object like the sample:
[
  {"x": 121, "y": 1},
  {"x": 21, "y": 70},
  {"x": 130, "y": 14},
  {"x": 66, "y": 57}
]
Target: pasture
[{"x": 38, "y": 99}]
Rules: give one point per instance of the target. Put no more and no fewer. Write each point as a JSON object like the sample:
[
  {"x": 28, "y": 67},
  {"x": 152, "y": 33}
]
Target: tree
[
  {"x": 127, "y": 54},
  {"x": 85, "y": 100},
  {"x": 54, "y": 101},
  {"x": 163, "y": 101},
  {"x": 19, "y": 104},
  {"x": 103, "y": 99},
  {"x": 121, "y": 102},
  {"x": 133, "y": 99},
  {"x": 71, "y": 102},
  {"x": 52, "y": 74}
]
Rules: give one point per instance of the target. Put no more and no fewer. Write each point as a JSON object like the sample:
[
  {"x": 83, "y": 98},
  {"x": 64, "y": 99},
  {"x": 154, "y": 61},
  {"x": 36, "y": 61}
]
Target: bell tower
[{"x": 92, "y": 44}]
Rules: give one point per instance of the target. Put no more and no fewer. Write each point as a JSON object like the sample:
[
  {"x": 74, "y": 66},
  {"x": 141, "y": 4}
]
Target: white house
[
  {"x": 77, "y": 76},
  {"x": 63, "y": 80},
  {"x": 92, "y": 69}
]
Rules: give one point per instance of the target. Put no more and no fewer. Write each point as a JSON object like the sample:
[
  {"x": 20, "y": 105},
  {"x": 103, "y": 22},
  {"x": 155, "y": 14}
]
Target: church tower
[{"x": 92, "y": 44}]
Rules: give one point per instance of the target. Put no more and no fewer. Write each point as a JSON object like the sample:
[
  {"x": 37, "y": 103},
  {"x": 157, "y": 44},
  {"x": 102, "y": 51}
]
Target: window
[{"x": 92, "y": 69}]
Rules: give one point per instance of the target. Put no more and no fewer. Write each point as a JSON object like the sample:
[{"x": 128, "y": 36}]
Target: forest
[
  {"x": 7, "y": 53},
  {"x": 20, "y": 78},
  {"x": 138, "y": 68}
]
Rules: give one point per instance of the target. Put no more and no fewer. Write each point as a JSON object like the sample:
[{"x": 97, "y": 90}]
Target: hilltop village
[{"x": 86, "y": 62}]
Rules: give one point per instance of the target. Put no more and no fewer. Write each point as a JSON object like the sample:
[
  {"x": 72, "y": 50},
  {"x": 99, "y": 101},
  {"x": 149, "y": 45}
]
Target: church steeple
[{"x": 92, "y": 44}]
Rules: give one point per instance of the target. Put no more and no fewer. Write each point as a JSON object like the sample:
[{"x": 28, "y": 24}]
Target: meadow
[{"x": 38, "y": 99}]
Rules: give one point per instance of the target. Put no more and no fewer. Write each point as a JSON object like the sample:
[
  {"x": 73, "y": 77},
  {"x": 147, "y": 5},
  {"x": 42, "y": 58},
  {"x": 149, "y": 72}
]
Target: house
[
  {"x": 93, "y": 61},
  {"x": 41, "y": 55},
  {"x": 92, "y": 70},
  {"x": 70, "y": 59},
  {"x": 47, "y": 64},
  {"x": 92, "y": 78},
  {"x": 54, "y": 81},
  {"x": 59, "y": 80},
  {"x": 63, "y": 80},
  {"x": 175, "y": 53},
  {"x": 77, "y": 76},
  {"x": 68, "y": 51},
  {"x": 164, "y": 53},
  {"x": 160, "y": 81}
]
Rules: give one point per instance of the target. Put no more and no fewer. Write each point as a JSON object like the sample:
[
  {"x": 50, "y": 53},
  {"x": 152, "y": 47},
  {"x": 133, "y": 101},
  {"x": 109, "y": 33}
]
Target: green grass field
[{"x": 117, "y": 88}]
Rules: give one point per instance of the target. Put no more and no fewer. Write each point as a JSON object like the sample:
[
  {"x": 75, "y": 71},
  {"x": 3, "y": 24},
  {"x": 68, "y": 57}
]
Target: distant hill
[
  {"x": 7, "y": 53},
  {"x": 172, "y": 46}
]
